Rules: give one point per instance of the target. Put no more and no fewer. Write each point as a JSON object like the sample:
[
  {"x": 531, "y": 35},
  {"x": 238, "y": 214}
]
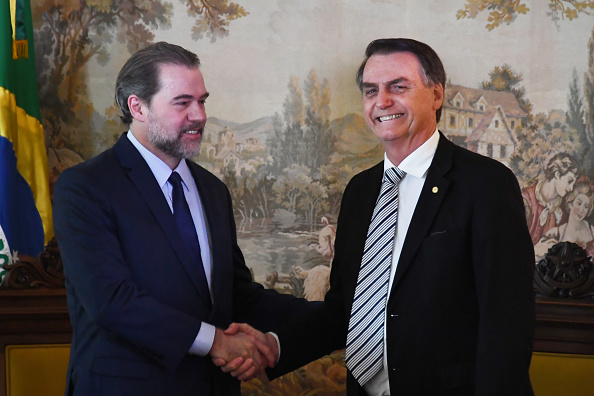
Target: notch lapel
[
  {"x": 143, "y": 179},
  {"x": 219, "y": 237},
  {"x": 360, "y": 212},
  {"x": 427, "y": 206}
]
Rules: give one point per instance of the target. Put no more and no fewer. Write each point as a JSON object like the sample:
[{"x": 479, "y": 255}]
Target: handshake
[{"x": 243, "y": 351}]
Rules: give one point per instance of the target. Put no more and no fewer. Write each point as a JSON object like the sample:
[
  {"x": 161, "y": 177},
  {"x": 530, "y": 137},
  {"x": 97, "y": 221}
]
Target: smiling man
[
  {"x": 431, "y": 283},
  {"x": 148, "y": 241}
]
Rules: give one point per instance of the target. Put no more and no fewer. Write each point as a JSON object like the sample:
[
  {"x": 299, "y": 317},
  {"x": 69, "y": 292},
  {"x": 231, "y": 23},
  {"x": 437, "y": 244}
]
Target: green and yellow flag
[{"x": 25, "y": 207}]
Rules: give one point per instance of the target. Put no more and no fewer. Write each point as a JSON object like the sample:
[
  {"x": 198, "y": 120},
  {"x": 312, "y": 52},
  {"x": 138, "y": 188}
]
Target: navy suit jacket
[
  {"x": 134, "y": 307},
  {"x": 460, "y": 315}
]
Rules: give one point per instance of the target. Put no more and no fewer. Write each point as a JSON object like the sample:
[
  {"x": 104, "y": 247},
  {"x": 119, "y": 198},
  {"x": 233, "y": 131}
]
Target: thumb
[{"x": 232, "y": 329}]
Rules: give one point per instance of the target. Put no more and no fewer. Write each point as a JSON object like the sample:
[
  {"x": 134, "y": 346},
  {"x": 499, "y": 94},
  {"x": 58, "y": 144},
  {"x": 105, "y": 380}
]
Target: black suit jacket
[
  {"x": 133, "y": 304},
  {"x": 460, "y": 315}
]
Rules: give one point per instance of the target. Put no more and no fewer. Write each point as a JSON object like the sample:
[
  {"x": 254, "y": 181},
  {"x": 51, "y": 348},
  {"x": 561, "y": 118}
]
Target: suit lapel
[
  {"x": 143, "y": 179},
  {"x": 212, "y": 212},
  {"x": 360, "y": 213},
  {"x": 432, "y": 195},
  {"x": 370, "y": 190}
]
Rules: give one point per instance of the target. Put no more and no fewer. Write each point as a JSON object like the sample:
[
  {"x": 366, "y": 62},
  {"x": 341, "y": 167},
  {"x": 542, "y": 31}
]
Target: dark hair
[
  {"x": 140, "y": 74},
  {"x": 562, "y": 163},
  {"x": 432, "y": 70}
]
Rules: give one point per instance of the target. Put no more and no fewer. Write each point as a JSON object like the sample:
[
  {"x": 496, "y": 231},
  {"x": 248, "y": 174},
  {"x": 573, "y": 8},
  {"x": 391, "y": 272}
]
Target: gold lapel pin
[{"x": 434, "y": 190}]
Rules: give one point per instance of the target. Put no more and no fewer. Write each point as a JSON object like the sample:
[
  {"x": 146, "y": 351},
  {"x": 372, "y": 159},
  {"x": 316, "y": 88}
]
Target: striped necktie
[{"x": 365, "y": 338}]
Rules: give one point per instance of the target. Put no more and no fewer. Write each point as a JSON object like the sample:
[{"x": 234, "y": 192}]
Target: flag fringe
[{"x": 20, "y": 49}]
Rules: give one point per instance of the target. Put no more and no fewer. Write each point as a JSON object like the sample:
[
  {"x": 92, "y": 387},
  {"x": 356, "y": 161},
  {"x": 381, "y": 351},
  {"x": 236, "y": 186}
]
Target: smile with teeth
[
  {"x": 193, "y": 130},
  {"x": 389, "y": 117}
]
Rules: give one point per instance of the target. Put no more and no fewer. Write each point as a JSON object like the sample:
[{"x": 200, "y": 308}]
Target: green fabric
[{"x": 24, "y": 83}]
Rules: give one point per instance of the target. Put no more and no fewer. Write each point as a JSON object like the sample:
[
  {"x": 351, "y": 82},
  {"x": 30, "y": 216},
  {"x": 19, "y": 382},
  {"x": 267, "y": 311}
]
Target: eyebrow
[
  {"x": 189, "y": 97},
  {"x": 391, "y": 82}
]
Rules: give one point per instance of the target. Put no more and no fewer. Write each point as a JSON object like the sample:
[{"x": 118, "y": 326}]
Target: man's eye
[{"x": 369, "y": 92}]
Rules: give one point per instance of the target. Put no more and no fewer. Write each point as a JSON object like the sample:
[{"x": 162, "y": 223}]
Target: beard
[{"x": 171, "y": 144}]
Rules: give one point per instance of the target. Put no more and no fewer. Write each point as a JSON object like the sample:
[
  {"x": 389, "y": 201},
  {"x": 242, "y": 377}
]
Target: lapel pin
[{"x": 434, "y": 190}]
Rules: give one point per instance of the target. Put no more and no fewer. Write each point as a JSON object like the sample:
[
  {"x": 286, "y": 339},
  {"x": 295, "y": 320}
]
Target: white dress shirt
[
  {"x": 415, "y": 166},
  {"x": 161, "y": 171}
]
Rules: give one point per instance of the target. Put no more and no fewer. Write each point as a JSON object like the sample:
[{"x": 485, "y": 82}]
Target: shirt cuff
[
  {"x": 203, "y": 342},
  {"x": 277, "y": 344}
]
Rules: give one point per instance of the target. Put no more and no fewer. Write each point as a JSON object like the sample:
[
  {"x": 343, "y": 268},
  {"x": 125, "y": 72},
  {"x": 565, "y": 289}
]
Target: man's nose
[
  {"x": 384, "y": 99},
  {"x": 197, "y": 112}
]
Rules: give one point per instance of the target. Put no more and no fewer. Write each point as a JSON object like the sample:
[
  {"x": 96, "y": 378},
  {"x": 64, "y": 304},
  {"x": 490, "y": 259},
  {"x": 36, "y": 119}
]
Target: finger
[
  {"x": 232, "y": 329},
  {"x": 248, "y": 368},
  {"x": 243, "y": 368},
  {"x": 266, "y": 353},
  {"x": 243, "y": 327},
  {"x": 273, "y": 349},
  {"x": 219, "y": 362},
  {"x": 270, "y": 359},
  {"x": 248, "y": 374},
  {"x": 259, "y": 362},
  {"x": 233, "y": 365}
]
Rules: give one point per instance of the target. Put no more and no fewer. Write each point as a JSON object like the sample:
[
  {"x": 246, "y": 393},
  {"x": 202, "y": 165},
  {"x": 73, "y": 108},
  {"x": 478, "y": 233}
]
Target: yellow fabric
[
  {"x": 26, "y": 134},
  {"x": 13, "y": 17},
  {"x": 36, "y": 369},
  {"x": 41, "y": 370},
  {"x": 559, "y": 374}
]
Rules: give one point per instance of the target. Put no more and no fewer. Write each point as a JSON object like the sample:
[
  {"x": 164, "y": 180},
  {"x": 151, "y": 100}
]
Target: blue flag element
[{"x": 19, "y": 217}]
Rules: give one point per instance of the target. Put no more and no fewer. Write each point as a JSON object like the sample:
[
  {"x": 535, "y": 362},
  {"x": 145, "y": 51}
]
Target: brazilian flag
[{"x": 25, "y": 207}]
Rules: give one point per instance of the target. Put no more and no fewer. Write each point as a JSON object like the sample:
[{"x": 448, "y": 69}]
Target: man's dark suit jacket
[
  {"x": 134, "y": 308},
  {"x": 460, "y": 315}
]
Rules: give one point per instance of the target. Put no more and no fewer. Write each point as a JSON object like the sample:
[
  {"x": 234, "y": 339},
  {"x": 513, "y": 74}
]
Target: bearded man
[{"x": 148, "y": 241}]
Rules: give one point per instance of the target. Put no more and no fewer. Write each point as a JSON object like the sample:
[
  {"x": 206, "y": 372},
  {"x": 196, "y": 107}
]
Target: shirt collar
[
  {"x": 159, "y": 168},
  {"x": 417, "y": 163}
]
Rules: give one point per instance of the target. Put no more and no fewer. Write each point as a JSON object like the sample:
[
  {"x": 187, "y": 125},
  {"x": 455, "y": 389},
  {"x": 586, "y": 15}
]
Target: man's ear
[
  {"x": 437, "y": 96},
  {"x": 138, "y": 109}
]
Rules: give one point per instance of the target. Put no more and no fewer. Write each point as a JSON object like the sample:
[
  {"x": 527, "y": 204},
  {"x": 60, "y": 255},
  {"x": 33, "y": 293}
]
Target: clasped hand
[{"x": 243, "y": 351}]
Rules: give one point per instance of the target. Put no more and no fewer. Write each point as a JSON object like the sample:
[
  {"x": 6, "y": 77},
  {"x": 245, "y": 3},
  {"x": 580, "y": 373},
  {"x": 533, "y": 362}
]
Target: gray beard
[{"x": 171, "y": 147}]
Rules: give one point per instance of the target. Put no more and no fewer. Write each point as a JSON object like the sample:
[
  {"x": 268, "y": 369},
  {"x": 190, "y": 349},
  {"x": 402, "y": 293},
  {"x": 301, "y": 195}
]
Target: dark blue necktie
[{"x": 183, "y": 218}]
